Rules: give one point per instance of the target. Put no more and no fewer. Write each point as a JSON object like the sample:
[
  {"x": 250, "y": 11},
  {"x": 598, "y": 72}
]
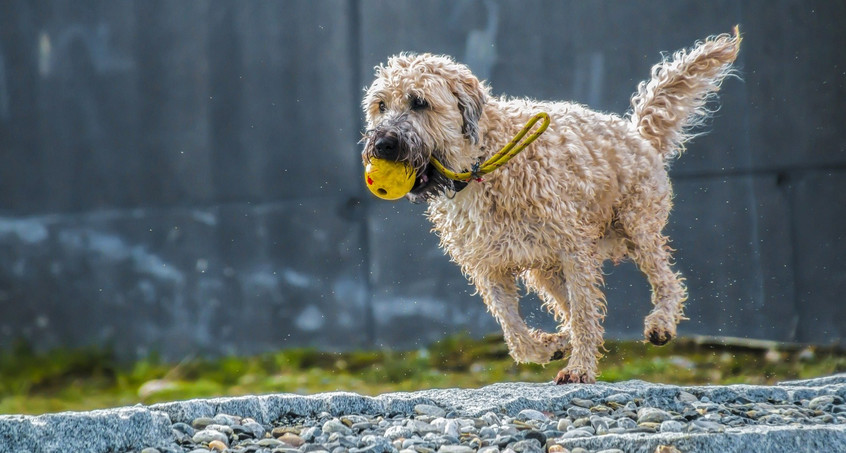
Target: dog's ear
[{"x": 471, "y": 95}]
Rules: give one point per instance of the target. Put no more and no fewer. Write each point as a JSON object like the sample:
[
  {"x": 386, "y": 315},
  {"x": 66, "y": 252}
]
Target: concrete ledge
[
  {"x": 134, "y": 428},
  {"x": 110, "y": 430},
  {"x": 770, "y": 439}
]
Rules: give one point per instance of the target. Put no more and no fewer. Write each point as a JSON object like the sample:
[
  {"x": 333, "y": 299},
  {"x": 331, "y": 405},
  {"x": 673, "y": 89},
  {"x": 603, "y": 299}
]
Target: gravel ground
[{"x": 632, "y": 416}]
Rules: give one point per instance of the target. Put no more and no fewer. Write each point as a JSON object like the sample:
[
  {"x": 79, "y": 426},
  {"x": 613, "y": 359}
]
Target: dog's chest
[{"x": 474, "y": 229}]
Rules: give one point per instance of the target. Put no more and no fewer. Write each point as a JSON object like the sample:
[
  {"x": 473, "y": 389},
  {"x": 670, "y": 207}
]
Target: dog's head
[{"x": 420, "y": 106}]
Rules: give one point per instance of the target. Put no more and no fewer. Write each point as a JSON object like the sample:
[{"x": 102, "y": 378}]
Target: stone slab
[
  {"x": 771, "y": 439},
  {"x": 138, "y": 427},
  {"x": 108, "y": 430}
]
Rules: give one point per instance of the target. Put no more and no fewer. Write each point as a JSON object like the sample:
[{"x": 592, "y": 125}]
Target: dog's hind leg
[
  {"x": 499, "y": 292},
  {"x": 668, "y": 291},
  {"x": 652, "y": 255},
  {"x": 583, "y": 273}
]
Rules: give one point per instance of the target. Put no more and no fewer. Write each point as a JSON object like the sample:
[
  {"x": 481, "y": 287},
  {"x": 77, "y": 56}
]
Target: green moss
[{"x": 32, "y": 382}]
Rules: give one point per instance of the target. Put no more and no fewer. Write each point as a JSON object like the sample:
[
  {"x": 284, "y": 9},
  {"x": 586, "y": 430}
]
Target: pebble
[
  {"x": 270, "y": 442},
  {"x": 336, "y": 426},
  {"x": 487, "y": 432},
  {"x": 207, "y": 435},
  {"x": 652, "y": 415},
  {"x": 503, "y": 441},
  {"x": 431, "y": 429},
  {"x": 280, "y": 430},
  {"x": 351, "y": 420},
  {"x": 201, "y": 422},
  {"x": 291, "y": 439},
  {"x": 527, "y": 446},
  {"x": 581, "y": 402},
  {"x": 667, "y": 449},
  {"x": 451, "y": 428},
  {"x": 490, "y": 418},
  {"x": 310, "y": 433},
  {"x": 599, "y": 422},
  {"x": 626, "y": 423},
  {"x": 688, "y": 398},
  {"x": 455, "y": 449},
  {"x": 536, "y": 435},
  {"x": 225, "y": 429},
  {"x": 395, "y": 432},
  {"x": 578, "y": 432},
  {"x": 242, "y": 433},
  {"x": 228, "y": 420},
  {"x": 821, "y": 402},
  {"x": 428, "y": 409},
  {"x": 705, "y": 425},
  {"x": 422, "y": 428},
  {"x": 531, "y": 414},
  {"x": 671, "y": 426},
  {"x": 577, "y": 412},
  {"x": 619, "y": 398},
  {"x": 184, "y": 428},
  {"x": 772, "y": 419}
]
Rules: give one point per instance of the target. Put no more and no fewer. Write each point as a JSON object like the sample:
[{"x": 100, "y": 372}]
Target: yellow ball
[{"x": 389, "y": 180}]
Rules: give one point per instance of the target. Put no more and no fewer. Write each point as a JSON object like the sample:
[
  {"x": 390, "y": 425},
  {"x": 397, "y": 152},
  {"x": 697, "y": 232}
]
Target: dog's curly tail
[{"x": 671, "y": 104}]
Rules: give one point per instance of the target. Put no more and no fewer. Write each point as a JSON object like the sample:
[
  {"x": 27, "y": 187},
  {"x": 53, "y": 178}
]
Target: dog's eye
[
  {"x": 418, "y": 103},
  {"x": 382, "y": 107}
]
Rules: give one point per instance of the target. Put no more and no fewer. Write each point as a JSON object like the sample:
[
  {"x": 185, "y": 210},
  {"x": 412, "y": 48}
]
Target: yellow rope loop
[{"x": 499, "y": 159}]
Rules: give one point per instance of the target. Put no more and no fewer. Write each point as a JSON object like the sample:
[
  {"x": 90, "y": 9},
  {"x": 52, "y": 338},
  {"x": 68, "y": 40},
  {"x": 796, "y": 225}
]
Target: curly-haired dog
[{"x": 593, "y": 187}]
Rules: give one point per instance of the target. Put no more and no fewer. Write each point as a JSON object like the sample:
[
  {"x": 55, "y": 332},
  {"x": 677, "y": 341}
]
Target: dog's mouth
[
  {"x": 424, "y": 180},
  {"x": 430, "y": 183}
]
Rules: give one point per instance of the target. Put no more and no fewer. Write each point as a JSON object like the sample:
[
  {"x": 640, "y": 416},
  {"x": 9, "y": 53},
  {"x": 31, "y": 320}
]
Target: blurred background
[{"x": 183, "y": 178}]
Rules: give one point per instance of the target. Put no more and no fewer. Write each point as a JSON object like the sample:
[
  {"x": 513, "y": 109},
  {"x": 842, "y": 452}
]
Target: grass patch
[{"x": 85, "y": 379}]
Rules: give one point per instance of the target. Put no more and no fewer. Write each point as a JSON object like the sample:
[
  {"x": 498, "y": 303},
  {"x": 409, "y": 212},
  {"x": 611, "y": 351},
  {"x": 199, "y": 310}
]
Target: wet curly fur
[{"x": 593, "y": 187}]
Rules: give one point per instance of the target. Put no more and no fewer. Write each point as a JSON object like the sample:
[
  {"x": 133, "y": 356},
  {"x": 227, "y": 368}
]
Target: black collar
[{"x": 458, "y": 186}]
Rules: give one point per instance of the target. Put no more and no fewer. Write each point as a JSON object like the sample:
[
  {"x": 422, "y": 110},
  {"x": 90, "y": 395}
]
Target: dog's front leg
[
  {"x": 499, "y": 292},
  {"x": 583, "y": 274},
  {"x": 549, "y": 285}
]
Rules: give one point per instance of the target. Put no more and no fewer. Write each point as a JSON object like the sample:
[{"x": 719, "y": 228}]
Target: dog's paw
[
  {"x": 659, "y": 337},
  {"x": 556, "y": 345},
  {"x": 658, "y": 330},
  {"x": 574, "y": 376}
]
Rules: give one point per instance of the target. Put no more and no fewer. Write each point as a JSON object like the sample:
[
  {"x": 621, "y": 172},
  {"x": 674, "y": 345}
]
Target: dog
[{"x": 593, "y": 187}]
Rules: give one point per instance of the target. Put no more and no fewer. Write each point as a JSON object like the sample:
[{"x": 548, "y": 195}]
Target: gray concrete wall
[{"x": 184, "y": 176}]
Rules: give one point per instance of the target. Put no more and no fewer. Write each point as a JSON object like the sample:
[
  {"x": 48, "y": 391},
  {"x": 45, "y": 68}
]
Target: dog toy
[
  {"x": 502, "y": 156},
  {"x": 389, "y": 180}
]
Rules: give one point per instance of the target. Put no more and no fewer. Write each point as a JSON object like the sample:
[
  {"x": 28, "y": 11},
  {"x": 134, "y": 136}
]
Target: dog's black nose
[{"x": 387, "y": 147}]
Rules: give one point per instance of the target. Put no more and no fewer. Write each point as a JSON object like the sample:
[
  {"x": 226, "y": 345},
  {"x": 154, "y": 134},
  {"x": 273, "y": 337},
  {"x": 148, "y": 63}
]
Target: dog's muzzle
[{"x": 387, "y": 147}]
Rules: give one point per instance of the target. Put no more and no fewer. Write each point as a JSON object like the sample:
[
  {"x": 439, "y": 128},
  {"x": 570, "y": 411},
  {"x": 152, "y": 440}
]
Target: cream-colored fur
[{"x": 593, "y": 187}]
